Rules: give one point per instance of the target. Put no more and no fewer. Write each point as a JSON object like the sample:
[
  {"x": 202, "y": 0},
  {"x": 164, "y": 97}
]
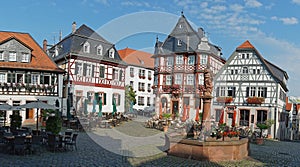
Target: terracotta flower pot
[{"x": 259, "y": 141}]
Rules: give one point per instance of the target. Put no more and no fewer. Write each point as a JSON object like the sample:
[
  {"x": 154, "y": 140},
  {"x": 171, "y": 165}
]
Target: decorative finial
[
  {"x": 181, "y": 12},
  {"x": 156, "y": 38}
]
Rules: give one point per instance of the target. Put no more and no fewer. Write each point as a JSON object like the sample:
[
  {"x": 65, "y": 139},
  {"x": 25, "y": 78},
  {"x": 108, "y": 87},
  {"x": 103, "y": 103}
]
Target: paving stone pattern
[{"x": 89, "y": 153}]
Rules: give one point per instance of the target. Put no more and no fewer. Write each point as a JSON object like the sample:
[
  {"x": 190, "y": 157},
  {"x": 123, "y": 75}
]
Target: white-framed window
[
  {"x": 191, "y": 60},
  {"x": 201, "y": 79},
  {"x": 35, "y": 78},
  {"x": 2, "y": 77},
  {"x": 262, "y": 91},
  {"x": 148, "y": 101},
  {"x": 190, "y": 79},
  {"x": 111, "y": 53},
  {"x": 1, "y": 55},
  {"x": 179, "y": 42},
  {"x": 131, "y": 84},
  {"x": 12, "y": 56},
  {"x": 149, "y": 88},
  {"x": 102, "y": 72},
  {"x": 142, "y": 73},
  {"x": 100, "y": 50},
  {"x": 245, "y": 70},
  {"x": 90, "y": 96},
  {"x": 170, "y": 61},
  {"x": 141, "y": 86},
  {"x": 86, "y": 47},
  {"x": 149, "y": 75},
  {"x": 178, "y": 79},
  {"x": 79, "y": 69},
  {"x": 115, "y": 74},
  {"x": 252, "y": 91},
  {"x": 89, "y": 70},
  {"x": 179, "y": 59},
  {"x": 203, "y": 59},
  {"x": 168, "y": 80},
  {"x": 222, "y": 91},
  {"x": 25, "y": 57},
  {"x": 141, "y": 100},
  {"x": 131, "y": 70},
  {"x": 117, "y": 98}
]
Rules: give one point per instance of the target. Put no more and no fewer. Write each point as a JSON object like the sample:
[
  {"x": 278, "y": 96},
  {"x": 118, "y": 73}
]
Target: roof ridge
[{"x": 246, "y": 44}]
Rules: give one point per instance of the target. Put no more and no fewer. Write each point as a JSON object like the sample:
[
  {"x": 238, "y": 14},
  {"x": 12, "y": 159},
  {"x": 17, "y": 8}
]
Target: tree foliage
[{"x": 130, "y": 95}]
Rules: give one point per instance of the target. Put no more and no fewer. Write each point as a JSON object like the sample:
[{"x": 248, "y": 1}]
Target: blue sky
[{"x": 272, "y": 26}]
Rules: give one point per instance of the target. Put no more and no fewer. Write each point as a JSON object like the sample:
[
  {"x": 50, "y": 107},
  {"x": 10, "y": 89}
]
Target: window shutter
[
  {"x": 76, "y": 68},
  {"x": 119, "y": 97},
  {"x": 104, "y": 98},
  {"x": 120, "y": 75},
  {"x": 265, "y": 92},
  {"x": 84, "y": 69},
  {"x": 93, "y": 67},
  {"x": 233, "y": 91},
  {"x": 247, "y": 92},
  {"x": 218, "y": 91}
]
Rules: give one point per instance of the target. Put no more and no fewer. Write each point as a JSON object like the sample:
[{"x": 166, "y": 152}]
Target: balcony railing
[{"x": 27, "y": 89}]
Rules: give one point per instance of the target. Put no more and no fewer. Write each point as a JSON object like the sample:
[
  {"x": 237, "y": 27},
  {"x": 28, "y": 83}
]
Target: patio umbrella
[
  {"x": 114, "y": 107},
  {"x": 5, "y": 107},
  {"x": 94, "y": 106},
  {"x": 38, "y": 105},
  {"x": 100, "y": 108}
]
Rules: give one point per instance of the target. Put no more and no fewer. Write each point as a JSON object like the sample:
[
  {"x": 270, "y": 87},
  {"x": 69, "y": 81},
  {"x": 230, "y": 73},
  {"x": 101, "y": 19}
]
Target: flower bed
[{"x": 224, "y": 99}]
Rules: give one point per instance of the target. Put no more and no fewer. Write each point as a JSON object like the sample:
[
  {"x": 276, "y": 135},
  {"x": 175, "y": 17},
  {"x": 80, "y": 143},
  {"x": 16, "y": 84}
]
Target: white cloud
[
  {"x": 252, "y": 3},
  {"x": 296, "y": 2},
  {"x": 286, "y": 20},
  {"x": 236, "y": 7},
  {"x": 203, "y": 4}
]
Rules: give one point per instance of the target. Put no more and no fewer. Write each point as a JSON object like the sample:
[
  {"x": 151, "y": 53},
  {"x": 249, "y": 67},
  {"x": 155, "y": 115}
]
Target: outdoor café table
[{"x": 106, "y": 123}]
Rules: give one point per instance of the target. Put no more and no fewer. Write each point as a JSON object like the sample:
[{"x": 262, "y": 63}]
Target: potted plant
[
  {"x": 53, "y": 123},
  {"x": 15, "y": 120},
  {"x": 166, "y": 117},
  {"x": 262, "y": 127}
]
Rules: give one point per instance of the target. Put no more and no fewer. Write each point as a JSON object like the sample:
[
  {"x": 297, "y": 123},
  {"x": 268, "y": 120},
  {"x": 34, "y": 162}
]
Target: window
[
  {"x": 222, "y": 91},
  {"x": 131, "y": 72},
  {"x": 157, "y": 62},
  {"x": 100, "y": 50},
  {"x": 35, "y": 78},
  {"x": 11, "y": 78},
  {"x": 102, "y": 96},
  {"x": 261, "y": 116},
  {"x": 121, "y": 75},
  {"x": 117, "y": 98},
  {"x": 245, "y": 70},
  {"x": 168, "y": 80},
  {"x": 244, "y": 117},
  {"x": 19, "y": 78},
  {"x": 115, "y": 74},
  {"x": 179, "y": 59},
  {"x": 78, "y": 69},
  {"x": 191, "y": 60},
  {"x": 131, "y": 84},
  {"x": 12, "y": 56},
  {"x": 201, "y": 79},
  {"x": 89, "y": 70},
  {"x": 86, "y": 47},
  {"x": 218, "y": 115},
  {"x": 190, "y": 79},
  {"x": 178, "y": 79},
  {"x": 170, "y": 61},
  {"x": 262, "y": 92},
  {"x": 28, "y": 78},
  {"x": 90, "y": 96},
  {"x": 148, "y": 101},
  {"x": 252, "y": 91},
  {"x": 25, "y": 57},
  {"x": 1, "y": 55},
  {"x": 111, "y": 53},
  {"x": 149, "y": 75},
  {"x": 141, "y": 86},
  {"x": 203, "y": 59},
  {"x": 102, "y": 72},
  {"x": 47, "y": 79},
  {"x": 149, "y": 88},
  {"x": 2, "y": 78},
  {"x": 140, "y": 100},
  {"x": 179, "y": 42},
  {"x": 231, "y": 91}
]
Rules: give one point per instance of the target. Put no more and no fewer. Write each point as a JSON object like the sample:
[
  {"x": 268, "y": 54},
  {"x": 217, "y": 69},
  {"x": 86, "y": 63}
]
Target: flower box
[
  {"x": 255, "y": 100},
  {"x": 224, "y": 99},
  {"x": 175, "y": 86}
]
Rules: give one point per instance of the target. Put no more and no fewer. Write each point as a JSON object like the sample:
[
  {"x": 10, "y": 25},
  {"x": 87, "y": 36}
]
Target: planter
[
  {"x": 259, "y": 141},
  {"x": 255, "y": 100},
  {"x": 225, "y": 99},
  {"x": 165, "y": 128}
]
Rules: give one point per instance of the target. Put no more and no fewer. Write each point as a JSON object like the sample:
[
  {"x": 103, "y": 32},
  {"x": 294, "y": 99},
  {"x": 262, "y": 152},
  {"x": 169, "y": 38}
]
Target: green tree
[{"x": 130, "y": 95}]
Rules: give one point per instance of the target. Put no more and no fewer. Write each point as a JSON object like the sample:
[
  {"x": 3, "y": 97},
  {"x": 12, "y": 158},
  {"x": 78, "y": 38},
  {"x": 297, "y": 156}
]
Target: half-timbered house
[
  {"x": 94, "y": 71},
  {"x": 26, "y": 74},
  {"x": 250, "y": 90},
  {"x": 179, "y": 66}
]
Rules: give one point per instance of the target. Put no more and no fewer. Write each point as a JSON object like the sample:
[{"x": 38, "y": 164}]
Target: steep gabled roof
[
  {"x": 137, "y": 58},
  {"x": 39, "y": 59},
  {"x": 245, "y": 45},
  {"x": 73, "y": 44}
]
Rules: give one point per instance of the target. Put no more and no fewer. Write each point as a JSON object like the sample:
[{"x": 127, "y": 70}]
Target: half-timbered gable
[
  {"x": 252, "y": 86},
  {"x": 180, "y": 62},
  {"x": 26, "y": 74},
  {"x": 93, "y": 67}
]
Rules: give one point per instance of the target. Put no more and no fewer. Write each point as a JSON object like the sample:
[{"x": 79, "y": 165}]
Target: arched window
[
  {"x": 100, "y": 50},
  {"x": 111, "y": 53},
  {"x": 245, "y": 70},
  {"x": 86, "y": 47}
]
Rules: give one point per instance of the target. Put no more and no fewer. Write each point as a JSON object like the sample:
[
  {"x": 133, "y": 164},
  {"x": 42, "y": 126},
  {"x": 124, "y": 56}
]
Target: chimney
[
  {"x": 60, "y": 35},
  {"x": 73, "y": 27},
  {"x": 45, "y": 45}
]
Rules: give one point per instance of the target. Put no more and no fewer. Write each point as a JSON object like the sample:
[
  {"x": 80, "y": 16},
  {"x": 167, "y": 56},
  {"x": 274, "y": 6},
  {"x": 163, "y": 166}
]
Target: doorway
[{"x": 174, "y": 107}]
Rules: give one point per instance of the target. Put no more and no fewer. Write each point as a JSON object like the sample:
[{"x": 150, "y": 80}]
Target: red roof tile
[
  {"x": 39, "y": 60},
  {"x": 136, "y": 57},
  {"x": 246, "y": 44}
]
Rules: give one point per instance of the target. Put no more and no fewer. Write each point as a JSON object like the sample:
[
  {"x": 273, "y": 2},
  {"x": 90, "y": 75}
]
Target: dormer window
[
  {"x": 179, "y": 42},
  {"x": 12, "y": 56},
  {"x": 86, "y": 47},
  {"x": 25, "y": 57},
  {"x": 111, "y": 53},
  {"x": 1, "y": 55},
  {"x": 180, "y": 25},
  {"x": 100, "y": 50}
]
